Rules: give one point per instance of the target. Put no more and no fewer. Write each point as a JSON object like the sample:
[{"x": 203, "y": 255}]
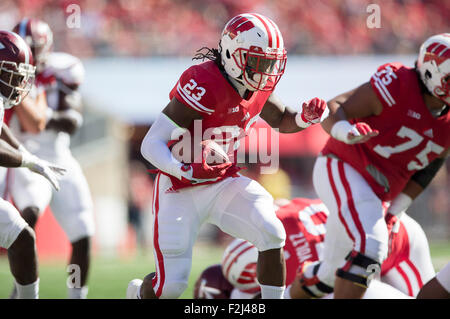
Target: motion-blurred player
[
  {"x": 224, "y": 96},
  {"x": 403, "y": 273},
  {"x": 389, "y": 137},
  {"x": 57, "y": 80},
  {"x": 16, "y": 77}
]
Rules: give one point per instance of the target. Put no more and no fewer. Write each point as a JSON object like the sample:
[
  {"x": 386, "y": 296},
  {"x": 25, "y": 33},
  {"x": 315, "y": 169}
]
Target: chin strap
[{"x": 238, "y": 85}]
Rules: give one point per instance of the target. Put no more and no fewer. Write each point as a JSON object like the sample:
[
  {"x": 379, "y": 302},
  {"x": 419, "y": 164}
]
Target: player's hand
[
  {"x": 360, "y": 133},
  {"x": 202, "y": 172},
  {"x": 313, "y": 110},
  {"x": 50, "y": 171}
]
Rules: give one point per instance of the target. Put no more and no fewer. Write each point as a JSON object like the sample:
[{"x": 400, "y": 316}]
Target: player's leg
[
  {"x": 30, "y": 192},
  {"x": 19, "y": 239},
  {"x": 415, "y": 266},
  {"x": 244, "y": 209},
  {"x": 176, "y": 222},
  {"x": 360, "y": 214},
  {"x": 73, "y": 209}
]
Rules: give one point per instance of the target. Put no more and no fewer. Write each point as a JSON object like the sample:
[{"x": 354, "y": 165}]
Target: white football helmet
[
  {"x": 252, "y": 51},
  {"x": 239, "y": 265},
  {"x": 433, "y": 65}
]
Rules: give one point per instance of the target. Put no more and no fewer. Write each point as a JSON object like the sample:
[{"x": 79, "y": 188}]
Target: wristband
[
  {"x": 399, "y": 204},
  {"x": 340, "y": 131},
  {"x": 300, "y": 122}
]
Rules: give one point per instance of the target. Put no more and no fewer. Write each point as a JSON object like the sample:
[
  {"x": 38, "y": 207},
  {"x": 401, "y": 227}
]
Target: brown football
[{"x": 187, "y": 152}]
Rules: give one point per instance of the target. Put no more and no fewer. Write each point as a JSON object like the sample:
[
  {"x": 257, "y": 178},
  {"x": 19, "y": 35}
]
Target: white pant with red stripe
[
  {"x": 239, "y": 206},
  {"x": 414, "y": 267},
  {"x": 356, "y": 220}
]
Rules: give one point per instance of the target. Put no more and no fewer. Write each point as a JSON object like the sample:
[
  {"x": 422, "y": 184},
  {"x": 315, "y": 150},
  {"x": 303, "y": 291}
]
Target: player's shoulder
[
  {"x": 66, "y": 67},
  {"x": 201, "y": 87},
  {"x": 392, "y": 81}
]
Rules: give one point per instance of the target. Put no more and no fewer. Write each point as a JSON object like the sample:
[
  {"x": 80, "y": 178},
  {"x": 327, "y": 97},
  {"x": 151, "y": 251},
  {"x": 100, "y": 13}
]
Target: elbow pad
[{"x": 424, "y": 176}]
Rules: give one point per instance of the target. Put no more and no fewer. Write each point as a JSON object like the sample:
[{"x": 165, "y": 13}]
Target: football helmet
[
  {"x": 16, "y": 68},
  {"x": 212, "y": 285},
  {"x": 433, "y": 65},
  {"x": 252, "y": 51},
  {"x": 38, "y": 36},
  {"x": 239, "y": 265}
]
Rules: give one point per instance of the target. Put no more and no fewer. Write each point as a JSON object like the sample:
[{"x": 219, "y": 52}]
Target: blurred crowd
[{"x": 180, "y": 27}]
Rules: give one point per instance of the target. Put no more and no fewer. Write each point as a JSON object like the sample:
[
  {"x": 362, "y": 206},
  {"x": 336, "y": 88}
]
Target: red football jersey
[
  {"x": 227, "y": 117},
  {"x": 304, "y": 221},
  {"x": 410, "y": 137}
]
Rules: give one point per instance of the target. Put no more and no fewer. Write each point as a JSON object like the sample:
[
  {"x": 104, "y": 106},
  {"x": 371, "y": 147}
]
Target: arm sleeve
[{"x": 154, "y": 146}]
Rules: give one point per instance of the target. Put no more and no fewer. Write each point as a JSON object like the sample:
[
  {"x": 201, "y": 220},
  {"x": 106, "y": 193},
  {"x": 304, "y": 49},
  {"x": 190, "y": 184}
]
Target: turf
[{"x": 109, "y": 276}]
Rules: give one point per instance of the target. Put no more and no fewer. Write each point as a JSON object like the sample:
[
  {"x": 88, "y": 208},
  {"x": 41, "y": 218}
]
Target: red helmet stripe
[
  {"x": 269, "y": 33},
  {"x": 232, "y": 251},
  {"x": 235, "y": 258},
  {"x": 276, "y": 32}
]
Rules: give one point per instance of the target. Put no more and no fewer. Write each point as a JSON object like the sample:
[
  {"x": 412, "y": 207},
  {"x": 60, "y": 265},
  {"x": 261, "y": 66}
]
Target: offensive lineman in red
[
  {"x": 390, "y": 136},
  {"x": 225, "y": 95},
  {"x": 402, "y": 275}
]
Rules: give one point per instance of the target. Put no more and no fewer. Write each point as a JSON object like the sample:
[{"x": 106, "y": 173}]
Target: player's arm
[
  {"x": 415, "y": 186},
  {"x": 287, "y": 120},
  {"x": 7, "y": 136},
  {"x": 170, "y": 125},
  {"x": 32, "y": 113},
  {"x": 360, "y": 102},
  {"x": 14, "y": 154},
  {"x": 68, "y": 117}
]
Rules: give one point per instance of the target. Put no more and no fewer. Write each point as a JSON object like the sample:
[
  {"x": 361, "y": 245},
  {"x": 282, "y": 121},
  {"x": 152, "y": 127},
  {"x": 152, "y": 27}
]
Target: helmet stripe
[
  {"x": 269, "y": 32},
  {"x": 277, "y": 32},
  {"x": 23, "y": 27}
]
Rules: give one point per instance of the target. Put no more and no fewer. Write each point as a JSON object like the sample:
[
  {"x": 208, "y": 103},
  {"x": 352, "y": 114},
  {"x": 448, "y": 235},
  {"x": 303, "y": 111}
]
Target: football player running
[
  {"x": 224, "y": 96},
  {"x": 403, "y": 273},
  {"x": 16, "y": 77},
  {"x": 389, "y": 137},
  {"x": 58, "y": 77}
]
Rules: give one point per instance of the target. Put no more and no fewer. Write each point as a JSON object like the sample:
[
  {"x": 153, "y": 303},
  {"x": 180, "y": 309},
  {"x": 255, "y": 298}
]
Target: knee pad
[
  {"x": 173, "y": 289},
  {"x": 309, "y": 281},
  {"x": 359, "y": 269},
  {"x": 273, "y": 235}
]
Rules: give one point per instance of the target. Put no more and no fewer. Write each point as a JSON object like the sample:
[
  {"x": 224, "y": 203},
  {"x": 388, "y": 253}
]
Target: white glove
[{"x": 50, "y": 171}]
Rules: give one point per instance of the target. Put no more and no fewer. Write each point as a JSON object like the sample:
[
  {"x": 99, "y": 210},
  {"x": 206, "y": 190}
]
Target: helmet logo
[
  {"x": 237, "y": 25},
  {"x": 437, "y": 52}
]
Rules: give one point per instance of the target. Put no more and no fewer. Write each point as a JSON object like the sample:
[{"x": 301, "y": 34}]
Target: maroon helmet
[
  {"x": 38, "y": 36},
  {"x": 212, "y": 284},
  {"x": 16, "y": 68}
]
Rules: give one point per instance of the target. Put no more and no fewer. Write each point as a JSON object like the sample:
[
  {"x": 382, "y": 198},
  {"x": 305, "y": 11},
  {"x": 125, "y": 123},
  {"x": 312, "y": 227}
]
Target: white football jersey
[{"x": 60, "y": 68}]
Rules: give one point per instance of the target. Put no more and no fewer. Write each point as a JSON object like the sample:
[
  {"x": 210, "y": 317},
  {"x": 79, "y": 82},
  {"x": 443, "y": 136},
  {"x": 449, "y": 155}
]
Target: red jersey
[
  {"x": 409, "y": 139},
  {"x": 227, "y": 117},
  {"x": 304, "y": 221}
]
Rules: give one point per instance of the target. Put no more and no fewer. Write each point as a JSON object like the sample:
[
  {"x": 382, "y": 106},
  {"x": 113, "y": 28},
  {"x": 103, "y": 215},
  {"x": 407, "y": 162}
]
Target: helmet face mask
[
  {"x": 260, "y": 68},
  {"x": 15, "y": 82},
  {"x": 252, "y": 51}
]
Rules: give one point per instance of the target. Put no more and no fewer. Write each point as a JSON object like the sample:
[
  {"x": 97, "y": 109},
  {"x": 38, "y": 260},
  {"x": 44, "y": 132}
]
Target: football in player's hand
[{"x": 186, "y": 152}]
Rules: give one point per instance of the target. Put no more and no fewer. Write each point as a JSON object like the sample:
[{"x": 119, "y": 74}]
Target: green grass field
[{"x": 109, "y": 277}]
